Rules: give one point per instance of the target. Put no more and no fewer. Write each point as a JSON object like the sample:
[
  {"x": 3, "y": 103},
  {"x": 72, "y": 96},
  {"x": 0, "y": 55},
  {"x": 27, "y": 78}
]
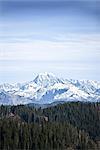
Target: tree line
[{"x": 72, "y": 126}]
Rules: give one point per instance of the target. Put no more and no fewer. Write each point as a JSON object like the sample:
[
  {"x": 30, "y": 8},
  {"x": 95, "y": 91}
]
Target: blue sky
[{"x": 60, "y": 36}]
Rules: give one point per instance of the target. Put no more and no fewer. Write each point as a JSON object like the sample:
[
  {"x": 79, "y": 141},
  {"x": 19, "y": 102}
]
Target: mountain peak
[
  {"x": 46, "y": 74},
  {"x": 46, "y": 79}
]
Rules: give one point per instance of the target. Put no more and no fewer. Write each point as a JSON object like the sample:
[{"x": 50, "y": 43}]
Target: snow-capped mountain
[
  {"x": 46, "y": 79},
  {"x": 47, "y": 88}
]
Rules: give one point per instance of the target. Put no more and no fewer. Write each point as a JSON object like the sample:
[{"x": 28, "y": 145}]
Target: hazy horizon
[{"x": 62, "y": 37}]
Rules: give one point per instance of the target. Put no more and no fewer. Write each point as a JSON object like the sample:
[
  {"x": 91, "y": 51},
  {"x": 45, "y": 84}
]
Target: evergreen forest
[{"x": 68, "y": 126}]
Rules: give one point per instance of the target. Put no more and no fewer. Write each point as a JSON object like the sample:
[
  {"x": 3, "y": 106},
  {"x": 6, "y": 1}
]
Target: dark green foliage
[
  {"x": 82, "y": 115},
  {"x": 69, "y": 126}
]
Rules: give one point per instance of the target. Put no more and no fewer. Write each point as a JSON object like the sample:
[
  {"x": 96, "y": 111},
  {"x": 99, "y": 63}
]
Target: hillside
[{"x": 72, "y": 125}]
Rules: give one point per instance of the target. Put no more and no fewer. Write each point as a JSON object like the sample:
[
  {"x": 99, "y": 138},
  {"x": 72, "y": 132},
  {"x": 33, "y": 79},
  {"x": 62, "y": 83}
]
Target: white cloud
[{"x": 71, "y": 47}]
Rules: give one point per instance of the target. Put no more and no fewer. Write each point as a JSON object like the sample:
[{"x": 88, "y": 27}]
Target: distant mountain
[{"x": 46, "y": 88}]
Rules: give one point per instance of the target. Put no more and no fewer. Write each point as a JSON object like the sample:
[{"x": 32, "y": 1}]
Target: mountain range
[{"x": 46, "y": 88}]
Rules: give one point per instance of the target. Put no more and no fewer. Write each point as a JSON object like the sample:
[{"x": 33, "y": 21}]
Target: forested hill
[{"x": 71, "y": 126}]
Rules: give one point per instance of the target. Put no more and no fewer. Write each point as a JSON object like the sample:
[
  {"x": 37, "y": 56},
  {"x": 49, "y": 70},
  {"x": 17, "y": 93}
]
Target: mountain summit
[
  {"x": 46, "y": 79},
  {"x": 47, "y": 88}
]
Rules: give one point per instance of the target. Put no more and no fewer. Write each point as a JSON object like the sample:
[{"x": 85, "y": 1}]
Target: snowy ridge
[{"x": 47, "y": 88}]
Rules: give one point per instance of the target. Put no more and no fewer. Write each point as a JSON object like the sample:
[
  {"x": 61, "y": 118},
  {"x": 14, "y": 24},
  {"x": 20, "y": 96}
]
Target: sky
[{"x": 58, "y": 36}]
